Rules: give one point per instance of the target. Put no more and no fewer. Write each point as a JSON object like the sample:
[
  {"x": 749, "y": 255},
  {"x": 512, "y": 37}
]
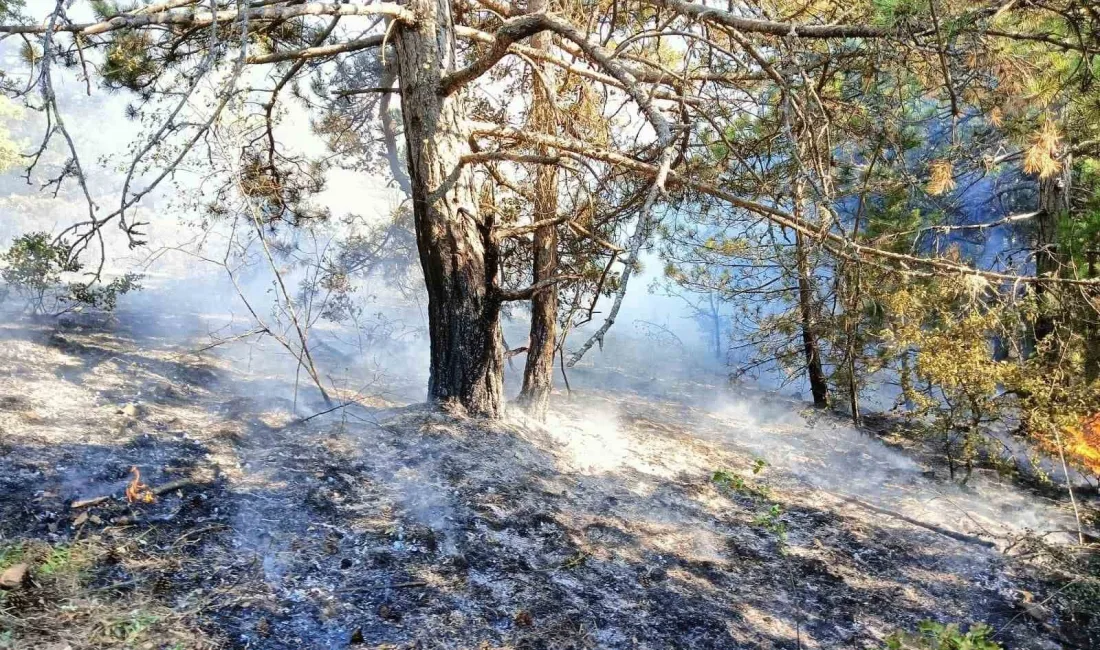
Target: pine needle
[
  {"x": 941, "y": 177},
  {"x": 1039, "y": 157}
]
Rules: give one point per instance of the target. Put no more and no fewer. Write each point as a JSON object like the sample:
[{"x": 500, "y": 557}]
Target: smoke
[
  {"x": 639, "y": 419},
  {"x": 591, "y": 440},
  {"x": 825, "y": 454}
]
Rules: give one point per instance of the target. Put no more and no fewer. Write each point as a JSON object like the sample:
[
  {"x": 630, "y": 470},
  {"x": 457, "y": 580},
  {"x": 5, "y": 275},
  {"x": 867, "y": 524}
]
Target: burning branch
[{"x": 140, "y": 492}]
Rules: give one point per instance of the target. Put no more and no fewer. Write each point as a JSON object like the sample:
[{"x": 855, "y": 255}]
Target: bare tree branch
[
  {"x": 838, "y": 244},
  {"x": 514, "y": 29},
  {"x": 319, "y": 51},
  {"x": 542, "y": 285},
  {"x": 203, "y": 17}
]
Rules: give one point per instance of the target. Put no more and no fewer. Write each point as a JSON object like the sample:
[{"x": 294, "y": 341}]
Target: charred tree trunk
[
  {"x": 538, "y": 373},
  {"x": 1054, "y": 200},
  {"x": 459, "y": 258}
]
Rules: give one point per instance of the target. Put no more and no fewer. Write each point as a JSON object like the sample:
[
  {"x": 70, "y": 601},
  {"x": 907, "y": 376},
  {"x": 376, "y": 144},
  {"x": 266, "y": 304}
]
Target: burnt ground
[{"x": 385, "y": 525}]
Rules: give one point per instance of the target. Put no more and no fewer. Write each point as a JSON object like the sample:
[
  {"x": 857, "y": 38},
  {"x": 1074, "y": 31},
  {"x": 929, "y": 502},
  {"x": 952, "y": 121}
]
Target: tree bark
[
  {"x": 459, "y": 258},
  {"x": 538, "y": 372},
  {"x": 1054, "y": 200},
  {"x": 819, "y": 387}
]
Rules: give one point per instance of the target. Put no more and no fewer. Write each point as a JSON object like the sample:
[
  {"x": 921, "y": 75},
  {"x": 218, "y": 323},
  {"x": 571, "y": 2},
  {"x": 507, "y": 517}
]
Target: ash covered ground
[{"x": 647, "y": 513}]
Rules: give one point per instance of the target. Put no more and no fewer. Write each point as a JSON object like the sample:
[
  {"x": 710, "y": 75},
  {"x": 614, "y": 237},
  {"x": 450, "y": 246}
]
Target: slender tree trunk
[
  {"x": 457, "y": 254},
  {"x": 538, "y": 373},
  {"x": 717, "y": 327},
  {"x": 851, "y": 289},
  {"x": 818, "y": 386},
  {"x": 1092, "y": 332},
  {"x": 850, "y": 354}
]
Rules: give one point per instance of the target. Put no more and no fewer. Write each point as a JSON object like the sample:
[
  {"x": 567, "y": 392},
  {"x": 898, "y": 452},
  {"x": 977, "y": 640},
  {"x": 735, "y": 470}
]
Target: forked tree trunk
[
  {"x": 538, "y": 372},
  {"x": 456, "y": 252}
]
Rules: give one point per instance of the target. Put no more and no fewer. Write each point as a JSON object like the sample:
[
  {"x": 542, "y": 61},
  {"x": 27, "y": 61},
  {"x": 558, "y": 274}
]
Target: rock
[
  {"x": 14, "y": 576},
  {"x": 131, "y": 410}
]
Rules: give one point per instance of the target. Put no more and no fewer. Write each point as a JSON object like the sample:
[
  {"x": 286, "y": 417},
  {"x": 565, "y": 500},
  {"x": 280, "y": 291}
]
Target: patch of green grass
[
  {"x": 938, "y": 636},
  {"x": 45, "y": 559},
  {"x": 58, "y": 561},
  {"x": 130, "y": 627},
  {"x": 10, "y": 554},
  {"x": 62, "y": 609}
]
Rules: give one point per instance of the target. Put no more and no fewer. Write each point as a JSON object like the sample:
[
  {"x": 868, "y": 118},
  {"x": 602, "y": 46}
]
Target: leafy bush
[{"x": 34, "y": 268}]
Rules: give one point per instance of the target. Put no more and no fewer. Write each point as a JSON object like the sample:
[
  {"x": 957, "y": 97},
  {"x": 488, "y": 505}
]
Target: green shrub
[
  {"x": 33, "y": 268},
  {"x": 938, "y": 636}
]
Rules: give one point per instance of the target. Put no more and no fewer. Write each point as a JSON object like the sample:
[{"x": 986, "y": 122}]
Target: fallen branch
[
  {"x": 946, "y": 532},
  {"x": 318, "y": 414},
  {"x": 84, "y": 503}
]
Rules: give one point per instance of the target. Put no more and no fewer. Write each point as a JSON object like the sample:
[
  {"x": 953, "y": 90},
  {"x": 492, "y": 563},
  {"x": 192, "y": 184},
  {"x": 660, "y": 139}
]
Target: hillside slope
[{"x": 712, "y": 521}]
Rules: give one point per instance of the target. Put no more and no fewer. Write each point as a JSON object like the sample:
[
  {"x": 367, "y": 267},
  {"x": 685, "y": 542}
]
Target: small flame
[{"x": 138, "y": 492}]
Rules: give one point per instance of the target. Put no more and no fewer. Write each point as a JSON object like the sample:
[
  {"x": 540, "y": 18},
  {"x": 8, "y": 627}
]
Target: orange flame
[
  {"x": 1082, "y": 442},
  {"x": 138, "y": 492}
]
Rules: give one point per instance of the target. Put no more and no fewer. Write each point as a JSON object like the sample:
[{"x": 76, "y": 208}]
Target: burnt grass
[{"x": 391, "y": 526}]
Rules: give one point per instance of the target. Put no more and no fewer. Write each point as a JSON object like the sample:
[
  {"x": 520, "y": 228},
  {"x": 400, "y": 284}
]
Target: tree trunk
[
  {"x": 713, "y": 317},
  {"x": 1092, "y": 332},
  {"x": 1054, "y": 200},
  {"x": 538, "y": 373},
  {"x": 818, "y": 386},
  {"x": 457, "y": 254}
]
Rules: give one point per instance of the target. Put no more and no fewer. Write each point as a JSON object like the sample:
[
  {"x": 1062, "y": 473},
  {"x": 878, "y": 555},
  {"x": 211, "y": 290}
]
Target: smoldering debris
[{"x": 625, "y": 522}]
